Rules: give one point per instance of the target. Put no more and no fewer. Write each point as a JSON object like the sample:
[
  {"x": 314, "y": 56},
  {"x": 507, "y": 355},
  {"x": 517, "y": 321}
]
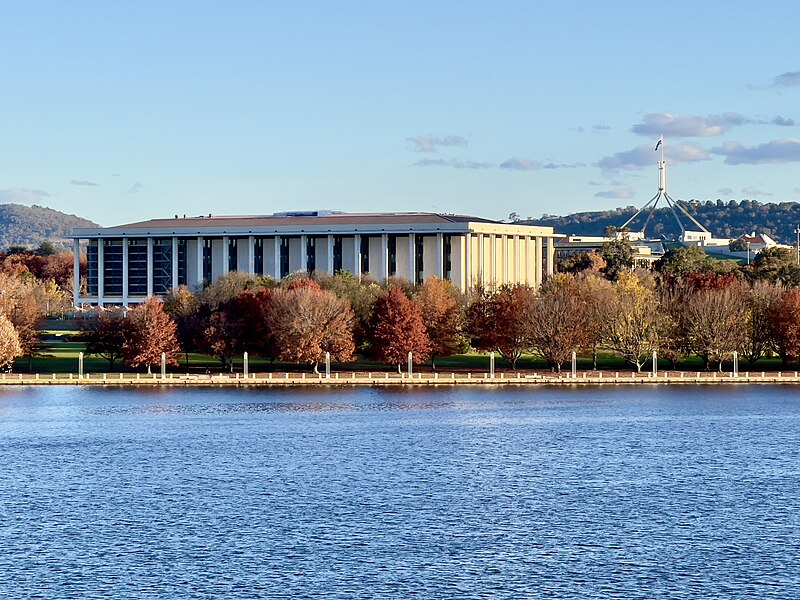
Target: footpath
[{"x": 358, "y": 378}]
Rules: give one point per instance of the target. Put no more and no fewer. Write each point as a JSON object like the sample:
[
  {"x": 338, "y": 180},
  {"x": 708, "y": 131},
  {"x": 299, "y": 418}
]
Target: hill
[
  {"x": 723, "y": 219},
  {"x": 31, "y": 225}
]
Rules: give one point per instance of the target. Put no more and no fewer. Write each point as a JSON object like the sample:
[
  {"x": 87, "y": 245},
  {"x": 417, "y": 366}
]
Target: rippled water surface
[{"x": 430, "y": 493}]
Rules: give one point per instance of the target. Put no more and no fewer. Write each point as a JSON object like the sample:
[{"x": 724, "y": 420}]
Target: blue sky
[{"x": 122, "y": 111}]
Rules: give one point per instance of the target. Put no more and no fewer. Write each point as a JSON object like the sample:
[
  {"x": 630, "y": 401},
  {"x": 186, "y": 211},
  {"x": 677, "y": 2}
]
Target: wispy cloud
[
  {"x": 754, "y": 191},
  {"x": 135, "y": 188},
  {"x": 672, "y": 125},
  {"x": 83, "y": 182},
  {"x": 643, "y": 156},
  {"x": 526, "y": 164},
  {"x": 774, "y": 152},
  {"x": 22, "y": 195},
  {"x": 788, "y": 79},
  {"x": 726, "y": 191},
  {"x": 430, "y": 143},
  {"x": 624, "y": 193},
  {"x": 601, "y": 128},
  {"x": 453, "y": 163},
  {"x": 783, "y": 121}
]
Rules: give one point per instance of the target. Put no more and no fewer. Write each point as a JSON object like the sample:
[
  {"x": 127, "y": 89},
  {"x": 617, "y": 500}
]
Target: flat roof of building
[{"x": 310, "y": 222}]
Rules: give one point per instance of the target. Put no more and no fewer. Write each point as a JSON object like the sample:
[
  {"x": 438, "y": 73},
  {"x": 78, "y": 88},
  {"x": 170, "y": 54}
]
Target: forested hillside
[
  {"x": 31, "y": 225},
  {"x": 723, "y": 219}
]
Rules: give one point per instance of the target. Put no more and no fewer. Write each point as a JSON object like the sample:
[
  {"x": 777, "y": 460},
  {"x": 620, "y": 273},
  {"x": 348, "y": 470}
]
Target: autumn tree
[
  {"x": 784, "y": 324},
  {"x": 360, "y": 294},
  {"x": 499, "y": 321},
  {"x": 557, "y": 322},
  {"x": 105, "y": 336},
  {"x": 306, "y": 322},
  {"x": 633, "y": 320},
  {"x": 595, "y": 293},
  {"x": 149, "y": 332},
  {"x": 579, "y": 262},
  {"x": 715, "y": 323},
  {"x": 761, "y": 299},
  {"x": 397, "y": 329},
  {"x": 443, "y": 316},
  {"x": 9, "y": 342}
]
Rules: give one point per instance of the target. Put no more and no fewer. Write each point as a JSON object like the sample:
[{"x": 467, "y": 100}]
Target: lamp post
[
  {"x": 797, "y": 246},
  {"x": 748, "y": 253}
]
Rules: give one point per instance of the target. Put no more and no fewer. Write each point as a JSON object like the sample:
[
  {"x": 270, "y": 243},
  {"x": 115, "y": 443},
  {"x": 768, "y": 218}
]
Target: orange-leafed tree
[
  {"x": 149, "y": 332},
  {"x": 397, "y": 329},
  {"x": 443, "y": 316},
  {"x": 305, "y": 322},
  {"x": 9, "y": 342}
]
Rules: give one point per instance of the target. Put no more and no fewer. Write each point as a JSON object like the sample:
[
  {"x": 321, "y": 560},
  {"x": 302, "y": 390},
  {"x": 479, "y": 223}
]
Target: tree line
[{"x": 691, "y": 305}]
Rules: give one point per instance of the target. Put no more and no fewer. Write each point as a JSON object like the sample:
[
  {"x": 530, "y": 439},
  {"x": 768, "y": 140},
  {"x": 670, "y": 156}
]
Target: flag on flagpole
[{"x": 660, "y": 141}]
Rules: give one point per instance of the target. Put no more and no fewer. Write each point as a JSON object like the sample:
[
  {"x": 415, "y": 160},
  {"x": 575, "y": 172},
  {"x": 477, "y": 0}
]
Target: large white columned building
[{"x": 127, "y": 263}]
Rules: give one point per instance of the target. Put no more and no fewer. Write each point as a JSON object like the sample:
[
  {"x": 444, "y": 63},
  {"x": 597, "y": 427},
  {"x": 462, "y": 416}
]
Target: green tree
[{"x": 618, "y": 255}]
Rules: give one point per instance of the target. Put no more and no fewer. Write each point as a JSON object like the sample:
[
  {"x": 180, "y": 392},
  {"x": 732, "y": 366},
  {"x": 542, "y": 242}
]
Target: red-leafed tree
[
  {"x": 558, "y": 322},
  {"x": 397, "y": 329},
  {"x": 443, "y": 316},
  {"x": 305, "y": 322},
  {"x": 784, "y": 324},
  {"x": 149, "y": 331},
  {"x": 500, "y": 321},
  {"x": 105, "y": 337}
]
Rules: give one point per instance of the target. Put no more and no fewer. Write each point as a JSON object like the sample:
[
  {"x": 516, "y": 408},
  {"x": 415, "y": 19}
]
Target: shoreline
[{"x": 349, "y": 379}]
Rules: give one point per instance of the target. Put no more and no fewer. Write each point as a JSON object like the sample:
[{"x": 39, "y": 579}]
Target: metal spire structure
[{"x": 652, "y": 204}]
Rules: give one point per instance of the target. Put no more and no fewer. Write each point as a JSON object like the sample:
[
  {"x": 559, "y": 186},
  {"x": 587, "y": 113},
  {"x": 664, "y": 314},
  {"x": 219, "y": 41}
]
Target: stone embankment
[{"x": 360, "y": 378}]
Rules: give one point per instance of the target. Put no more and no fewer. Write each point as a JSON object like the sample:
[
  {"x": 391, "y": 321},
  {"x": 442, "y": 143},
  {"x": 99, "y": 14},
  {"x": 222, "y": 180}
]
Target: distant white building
[{"x": 127, "y": 263}]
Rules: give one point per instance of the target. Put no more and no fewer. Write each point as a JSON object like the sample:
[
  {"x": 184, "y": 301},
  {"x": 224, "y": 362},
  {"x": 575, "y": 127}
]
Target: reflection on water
[{"x": 400, "y": 492}]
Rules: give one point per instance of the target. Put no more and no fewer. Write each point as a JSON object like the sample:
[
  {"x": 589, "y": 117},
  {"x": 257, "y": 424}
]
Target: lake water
[{"x": 668, "y": 492}]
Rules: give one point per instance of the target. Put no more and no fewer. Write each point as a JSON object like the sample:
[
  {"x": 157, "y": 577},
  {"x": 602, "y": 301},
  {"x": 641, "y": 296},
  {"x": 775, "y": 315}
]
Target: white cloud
[
  {"x": 453, "y": 163},
  {"x": 783, "y": 121},
  {"x": 624, "y": 193},
  {"x": 526, "y": 164},
  {"x": 83, "y": 182},
  {"x": 671, "y": 125},
  {"x": 753, "y": 191},
  {"x": 22, "y": 196},
  {"x": 643, "y": 156},
  {"x": 774, "y": 152},
  {"x": 788, "y": 79},
  {"x": 430, "y": 143}
]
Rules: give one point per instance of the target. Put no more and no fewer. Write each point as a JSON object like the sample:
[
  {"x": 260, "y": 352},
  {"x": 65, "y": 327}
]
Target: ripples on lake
[{"x": 429, "y": 493}]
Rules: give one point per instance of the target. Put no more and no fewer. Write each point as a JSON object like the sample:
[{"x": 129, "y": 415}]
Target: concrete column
[
  {"x": 537, "y": 265},
  {"x": 357, "y": 256},
  {"x": 551, "y": 255},
  {"x": 493, "y": 260},
  {"x": 76, "y": 273},
  {"x": 200, "y": 260},
  {"x": 226, "y": 259},
  {"x": 174, "y": 263},
  {"x": 329, "y": 256},
  {"x": 384, "y": 256},
  {"x": 440, "y": 255},
  {"x": 412, "y": 258},
  {"x": 517, "y": 265},
  {"x": 101, "y": 260},
  {"x": 481, "y": 262},
  {"x": 304, "y": 253},
  {"x": 149, "y": 267},
  {"x": 125, "y": 283},
  {"x": 467, "y": 263},
  {"x": 277, "y": 251},
  {"x": 251, "y": 255}
]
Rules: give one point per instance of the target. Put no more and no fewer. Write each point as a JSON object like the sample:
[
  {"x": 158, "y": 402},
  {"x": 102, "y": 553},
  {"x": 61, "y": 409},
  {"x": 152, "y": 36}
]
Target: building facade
[{"x": 127, "y": 263}]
